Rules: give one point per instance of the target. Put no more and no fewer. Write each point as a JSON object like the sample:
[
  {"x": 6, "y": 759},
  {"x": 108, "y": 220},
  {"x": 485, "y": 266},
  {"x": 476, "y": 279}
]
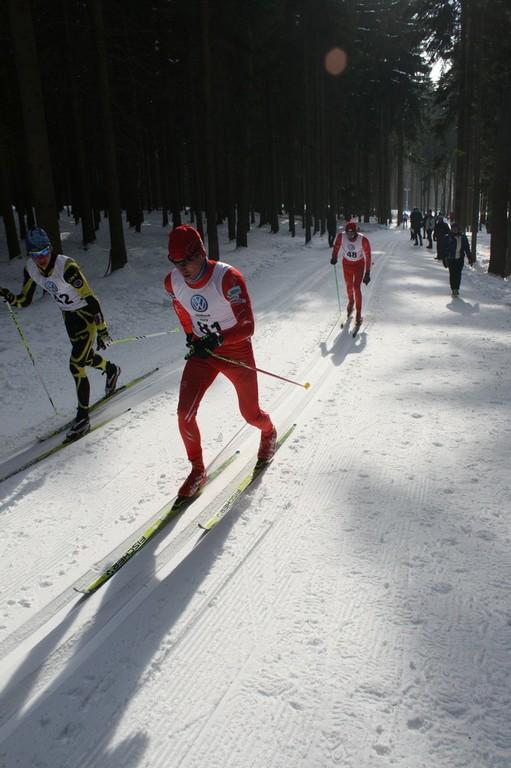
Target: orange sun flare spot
[{"x": 336, "y": 61}]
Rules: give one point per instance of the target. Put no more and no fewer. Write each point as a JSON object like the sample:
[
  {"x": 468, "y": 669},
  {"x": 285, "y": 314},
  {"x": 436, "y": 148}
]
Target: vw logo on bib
[
  {"x": 50, "y": 286},
  {"x": 199, "y": 303}
]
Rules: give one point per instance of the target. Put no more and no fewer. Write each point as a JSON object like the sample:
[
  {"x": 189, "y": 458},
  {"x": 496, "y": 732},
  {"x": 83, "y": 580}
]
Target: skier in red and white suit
[
  {"x": 356, "y": 264},
  {"x": 212, "y": 303}
]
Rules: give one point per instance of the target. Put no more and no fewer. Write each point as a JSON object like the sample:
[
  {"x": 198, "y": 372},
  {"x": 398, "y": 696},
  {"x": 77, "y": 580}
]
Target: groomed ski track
[{"x": 327, "y": 602}]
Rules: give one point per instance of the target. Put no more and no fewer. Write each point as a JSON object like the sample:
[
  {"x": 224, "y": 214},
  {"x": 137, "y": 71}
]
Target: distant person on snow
[
  {"x": 454, "y": 249},
  {"x": 416, "y": 224},
  {"x": 212, "y": 303},
  {"x": 405, "y": 220},
  {"x": 429, "y": 225},
  {"x": 441, "y": 228},
  {"x": 356, "y": 265},
  {"x": 62, "y": 278}
]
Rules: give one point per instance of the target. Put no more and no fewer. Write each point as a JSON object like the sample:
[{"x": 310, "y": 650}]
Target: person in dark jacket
[
  {"x": 416, "y": 224},
  {"x": 454, "y": 249},
  {"x": 440, "y": 229},
  {"x": 429, "y": 225}
]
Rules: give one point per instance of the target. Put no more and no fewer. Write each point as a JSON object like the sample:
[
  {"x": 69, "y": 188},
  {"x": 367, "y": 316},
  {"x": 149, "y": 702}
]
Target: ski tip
[{"x": 307, "y": 385}]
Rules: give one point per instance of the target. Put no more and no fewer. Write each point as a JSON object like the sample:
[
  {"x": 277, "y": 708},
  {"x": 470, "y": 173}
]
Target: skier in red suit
[
  {"x": 212, "y": 303},
  {"x": 356, "y": 265}
]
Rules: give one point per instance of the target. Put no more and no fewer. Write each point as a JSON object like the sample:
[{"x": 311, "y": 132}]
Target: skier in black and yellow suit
[{"x": 63, "y": 279}]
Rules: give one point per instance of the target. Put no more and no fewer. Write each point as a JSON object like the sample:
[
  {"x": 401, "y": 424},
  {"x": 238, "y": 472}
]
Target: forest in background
[{"x": 246, "y": 108}]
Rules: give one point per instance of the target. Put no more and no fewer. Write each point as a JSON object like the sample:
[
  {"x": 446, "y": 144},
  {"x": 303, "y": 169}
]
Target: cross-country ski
[{"x": 165, "y": 515}]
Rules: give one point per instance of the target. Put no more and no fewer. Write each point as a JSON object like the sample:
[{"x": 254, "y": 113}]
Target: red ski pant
[
  {"x": 198, "y": 376},
  {"x": 353, "y": 274}
]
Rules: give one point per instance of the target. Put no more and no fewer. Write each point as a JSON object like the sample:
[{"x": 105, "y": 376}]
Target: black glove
[
  {"x": 444, "y": 262},
  {"x": 367, "y": 278},
  {"x": 333, "y": 260},
  {"x": 189, "y": 339},
  {"x": 206, "y": 344},
  {"x": 7, "y": 296},
  {"x": 103, "y": 339}
]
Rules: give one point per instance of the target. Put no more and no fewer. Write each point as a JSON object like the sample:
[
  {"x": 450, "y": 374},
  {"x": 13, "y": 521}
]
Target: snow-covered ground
[{"x": 352, "y": 610}]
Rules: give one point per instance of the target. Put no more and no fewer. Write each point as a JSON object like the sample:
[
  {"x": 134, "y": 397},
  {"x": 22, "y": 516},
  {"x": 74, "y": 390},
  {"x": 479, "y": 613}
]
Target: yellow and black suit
[{"x": 83, "y": 318}]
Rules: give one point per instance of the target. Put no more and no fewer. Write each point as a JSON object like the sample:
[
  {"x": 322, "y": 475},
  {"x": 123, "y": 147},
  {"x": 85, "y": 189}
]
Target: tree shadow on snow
[
  {"x": 113, "y": 660},
  {"x": 23, "y": 682}
]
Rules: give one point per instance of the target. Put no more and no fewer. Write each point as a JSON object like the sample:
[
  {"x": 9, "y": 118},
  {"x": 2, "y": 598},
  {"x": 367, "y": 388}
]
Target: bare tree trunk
[
  {"x": 476, "y": 112},
  {"x": 499, "y": 196},
  {"x": 83, "y": 204},
  {"x": 273, "y": 154},
  {"x": 118, "y": 256},
  {"x": 11, "y": 234},
  {"x": 465, "y": 93},
  {"x": 383, "y": 205},
  {"x": 242, "y": 222},
  {"x": 197, "y": 183},
  {"x": 449, "y": 194},
  {"x": 476, "y": 170},
  {"x": 36, "y": 135},
  {"x": 211, "y": 205},
  {"x": 307, "y": 136},
  {"x": 400, "y": 185},
  {"x": 243, "y": 173}
]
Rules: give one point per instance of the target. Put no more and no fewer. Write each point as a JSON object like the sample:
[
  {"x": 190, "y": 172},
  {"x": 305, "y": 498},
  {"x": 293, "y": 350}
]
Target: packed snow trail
[{"x": 352, "y": 610}]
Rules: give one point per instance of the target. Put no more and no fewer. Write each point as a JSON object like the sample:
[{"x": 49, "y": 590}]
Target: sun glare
[{"x": 335, "y": 61}]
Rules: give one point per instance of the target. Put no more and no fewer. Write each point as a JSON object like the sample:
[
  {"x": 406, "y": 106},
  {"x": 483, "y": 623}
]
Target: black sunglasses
[{"x": 186, "y": 260}]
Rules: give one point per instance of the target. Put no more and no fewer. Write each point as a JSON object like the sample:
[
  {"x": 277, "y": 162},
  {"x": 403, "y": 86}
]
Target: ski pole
[
  {"x": 144, "y": 336},
  {"x": 260, "y": 370},
  {"x": 337, "y": 288},
  {"x": 29, "y": 353}
]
